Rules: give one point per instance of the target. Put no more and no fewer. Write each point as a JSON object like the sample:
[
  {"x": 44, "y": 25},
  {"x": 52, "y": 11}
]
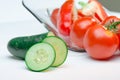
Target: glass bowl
[{"x": 42, "y": 9}]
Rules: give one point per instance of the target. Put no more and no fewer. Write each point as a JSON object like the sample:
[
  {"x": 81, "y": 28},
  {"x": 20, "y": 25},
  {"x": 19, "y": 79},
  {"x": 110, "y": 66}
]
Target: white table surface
[{"x": 78, "y": 66}]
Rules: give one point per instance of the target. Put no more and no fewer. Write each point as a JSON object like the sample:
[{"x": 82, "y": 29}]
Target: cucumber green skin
[{"x": 19, "y": 46}]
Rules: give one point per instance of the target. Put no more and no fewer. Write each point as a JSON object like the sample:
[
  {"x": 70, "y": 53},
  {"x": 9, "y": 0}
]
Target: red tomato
[
  {"x": 64, "y": 21},
  {"x": 53, "y": 16},
  {"x": 100, "y": 43},
  {"x": 79, "y": 28},
  {"x": 110, "y": 20},
  {"x": 95, "y": 9},
  {"x": 100, "y": 13}
]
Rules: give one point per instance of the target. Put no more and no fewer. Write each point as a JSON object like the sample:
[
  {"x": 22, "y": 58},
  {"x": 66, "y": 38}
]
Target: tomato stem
[
  {"x": 83, "y": 4},
  {"x": 113, "y": 27}
]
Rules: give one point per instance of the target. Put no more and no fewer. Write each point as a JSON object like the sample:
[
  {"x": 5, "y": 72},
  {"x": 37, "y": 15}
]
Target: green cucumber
[
  {"x": 40, "y": 57},
  {"x": 18, "y": 46},
  {"x": 60, "y": 48}
]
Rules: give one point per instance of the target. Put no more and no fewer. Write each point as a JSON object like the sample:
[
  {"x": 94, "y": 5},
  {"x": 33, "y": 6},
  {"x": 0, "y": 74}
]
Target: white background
[{"x": 15, "y": 21}]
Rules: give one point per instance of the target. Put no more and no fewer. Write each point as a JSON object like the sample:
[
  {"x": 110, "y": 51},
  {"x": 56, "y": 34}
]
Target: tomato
[
  {"x": 100, "y": 43},
  {"x": 95, "y": 9},
  {"x": 79, "y": 28},
  {"x": 100, "y": 13},
  {"x": 64, "y": 20},
  {"x": 53, "y": 16},
  {"x": 110, "y": 20}
]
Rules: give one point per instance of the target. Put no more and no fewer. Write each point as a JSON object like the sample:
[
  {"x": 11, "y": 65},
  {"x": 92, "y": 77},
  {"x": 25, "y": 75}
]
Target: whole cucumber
[{"x": 18, "y": 46}]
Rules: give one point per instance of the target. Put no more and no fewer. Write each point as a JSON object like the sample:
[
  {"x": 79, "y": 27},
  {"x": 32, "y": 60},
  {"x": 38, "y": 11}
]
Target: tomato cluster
[{"x": 89, "y": 28}]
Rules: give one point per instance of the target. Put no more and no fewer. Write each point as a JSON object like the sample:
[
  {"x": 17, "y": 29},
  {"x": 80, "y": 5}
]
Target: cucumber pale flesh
[
  {"x": 60, "y": 48},
  {"x": 40, "y": 57}
]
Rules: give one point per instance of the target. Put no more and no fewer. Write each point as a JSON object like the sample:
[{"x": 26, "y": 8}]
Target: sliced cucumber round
[
  {"x": 60, "y": 48},
  {"x": 40, "y": 57}
]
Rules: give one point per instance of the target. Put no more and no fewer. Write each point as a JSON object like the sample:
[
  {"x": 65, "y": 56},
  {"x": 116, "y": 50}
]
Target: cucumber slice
[
  {"x": 40, "y": 57},
  {"x": 60, "y": 48}
]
